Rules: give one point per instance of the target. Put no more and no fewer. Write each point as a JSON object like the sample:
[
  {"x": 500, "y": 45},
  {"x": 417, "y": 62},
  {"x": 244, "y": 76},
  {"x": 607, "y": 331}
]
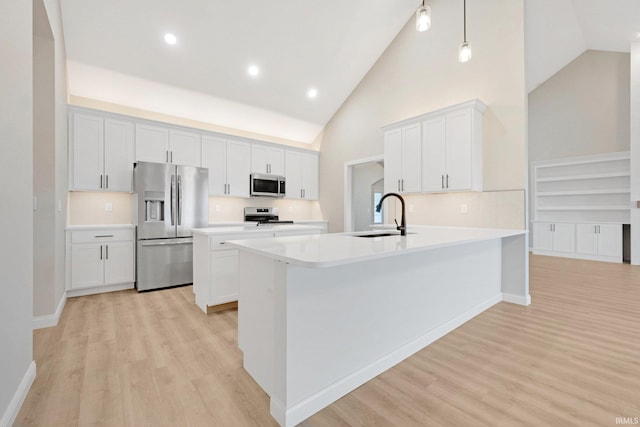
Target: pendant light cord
[{"x": 465, "y": 20}]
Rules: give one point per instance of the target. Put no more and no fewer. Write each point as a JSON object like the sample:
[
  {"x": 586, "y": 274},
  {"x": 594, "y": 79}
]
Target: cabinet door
[
  {"x": 434, "y": 156},
  {"x": 87, "y": 152},
  {"x": 238, "y": 168},
  {"x": 564, "y": 237},
  {"x": 293, "y": 174},
  {"x": 411, "y": 180},
  {"x": 275, "y": 158},
  {"x": 87, "y": 265},
  {"x": 184, "y": 148},
  {"x": 310, "y": 176},
  {"x": 118, "y": 155},
  {"x": 152, "y": 143},
  {"x": 224, "y": 276},
  {"x": 586, "y": 239},
  {"x": 118, "y": 262},
  {"x": 543, "y": 236},
  {"x": 214, "y": 157},
  {"x": 610, "y": 240},
  {"x": 458, "y": 147},
  {"x": 259, "y": 159},
  {"x": 392, "y": 160}
]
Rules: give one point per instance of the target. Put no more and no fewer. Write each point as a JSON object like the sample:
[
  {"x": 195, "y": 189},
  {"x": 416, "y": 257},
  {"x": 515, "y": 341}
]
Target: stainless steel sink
[{"x": 379, "y": 234}]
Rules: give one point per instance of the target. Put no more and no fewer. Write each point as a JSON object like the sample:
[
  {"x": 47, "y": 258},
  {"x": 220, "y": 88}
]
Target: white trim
[
  {"x": 49, "y": 320},
  {"x": 311, "y": 405},
  {"x": 98, "y": 290},
  {"x": 17, "y": 400},
  {"x": 573, "y": 255},
  {"x": 516, "y": 299},
  {"x": 348, "y": 190}
]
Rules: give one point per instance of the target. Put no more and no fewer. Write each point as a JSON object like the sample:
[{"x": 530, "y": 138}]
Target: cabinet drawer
[{"x": 105, "y": 235}]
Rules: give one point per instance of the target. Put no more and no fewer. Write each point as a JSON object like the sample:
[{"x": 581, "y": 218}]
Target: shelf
[
  {"x": 583, "y": 192},
  {"x": 586, "y": 176},
  {"x": 583, "y": 208}
]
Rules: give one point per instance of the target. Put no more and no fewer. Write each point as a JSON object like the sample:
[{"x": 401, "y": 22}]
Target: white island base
[{"x": 312, "y": 333}]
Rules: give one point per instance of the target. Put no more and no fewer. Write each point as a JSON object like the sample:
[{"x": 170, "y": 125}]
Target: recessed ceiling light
[
  {"x": 312, "y": 93},
  {"x": 253, "y": 70},
  {"x": 170, "y": 38}
]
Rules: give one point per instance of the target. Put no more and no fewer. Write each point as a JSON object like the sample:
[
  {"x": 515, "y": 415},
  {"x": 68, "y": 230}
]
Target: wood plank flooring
[{"x": 154, "y": 359}]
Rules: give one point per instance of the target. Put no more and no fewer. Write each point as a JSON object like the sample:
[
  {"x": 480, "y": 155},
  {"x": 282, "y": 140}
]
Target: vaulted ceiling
[{"x": 116, "y": 53}]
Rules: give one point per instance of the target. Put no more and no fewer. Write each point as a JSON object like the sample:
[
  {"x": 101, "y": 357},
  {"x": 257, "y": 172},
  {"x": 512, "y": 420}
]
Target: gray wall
[
  {"x": 583, "y": 109},
  {"x": 16, "y": 190},
  {"x": 364, "y": 176}
]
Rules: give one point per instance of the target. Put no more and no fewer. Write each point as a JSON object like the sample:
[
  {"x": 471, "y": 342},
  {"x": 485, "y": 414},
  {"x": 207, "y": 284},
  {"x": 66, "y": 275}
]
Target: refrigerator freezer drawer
[{"x": 163, "y": 263}]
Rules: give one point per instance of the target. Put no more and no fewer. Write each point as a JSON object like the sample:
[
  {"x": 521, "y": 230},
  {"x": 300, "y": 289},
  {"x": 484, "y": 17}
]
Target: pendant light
[
  {"x": 464, "y": 53},
  {"x": 423, "y": 18}
]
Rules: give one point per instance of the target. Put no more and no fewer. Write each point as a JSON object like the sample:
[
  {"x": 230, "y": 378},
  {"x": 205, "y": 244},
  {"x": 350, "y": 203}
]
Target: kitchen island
[
  {"x": 215, "y": 265},
  {"x": 321, "y": 315}
]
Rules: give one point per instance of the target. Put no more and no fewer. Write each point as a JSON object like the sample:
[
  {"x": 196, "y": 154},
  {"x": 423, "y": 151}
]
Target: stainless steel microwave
[{"x": 267, "y": 185}]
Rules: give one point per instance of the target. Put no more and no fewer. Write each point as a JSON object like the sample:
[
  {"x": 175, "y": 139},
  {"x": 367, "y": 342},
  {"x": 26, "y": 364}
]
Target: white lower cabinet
[
  {"x": 215, "y": 266},
  {"x": 100, "y": 260},
  {"x": 599, "y": 242},
  {"x": 602, "y": 240}
]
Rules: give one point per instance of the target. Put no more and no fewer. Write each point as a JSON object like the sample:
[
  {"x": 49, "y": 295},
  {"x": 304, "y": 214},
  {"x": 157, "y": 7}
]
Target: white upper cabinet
[
  {"x": 152, "y": 143},
  {"x": 100, "y": 152},
  {"x": 184, "y": 148},
  {"x": 452, "y": 149},
  {"x": 267, "y": 159},
  {"x": 301, "y": 172},
  {"x": 162, "y": 144},
  {"x": 402, "y": 169},
  {"x": 229, "y": 164}
]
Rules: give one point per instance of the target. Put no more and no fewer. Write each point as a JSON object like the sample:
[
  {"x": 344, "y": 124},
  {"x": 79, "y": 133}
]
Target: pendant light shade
[
  {"x": 464, "y": 53},
  {"x": 423, "y": 18}
]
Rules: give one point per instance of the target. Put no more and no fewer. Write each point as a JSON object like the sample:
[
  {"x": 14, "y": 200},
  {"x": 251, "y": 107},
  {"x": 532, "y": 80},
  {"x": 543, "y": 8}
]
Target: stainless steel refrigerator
[{"x": 170, "y": 201}]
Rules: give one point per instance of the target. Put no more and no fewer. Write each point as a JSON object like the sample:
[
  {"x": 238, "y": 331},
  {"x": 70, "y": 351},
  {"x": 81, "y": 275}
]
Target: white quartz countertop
[
  {"x": 329, "y": 250},
  {"x": 252, "y": 228}
]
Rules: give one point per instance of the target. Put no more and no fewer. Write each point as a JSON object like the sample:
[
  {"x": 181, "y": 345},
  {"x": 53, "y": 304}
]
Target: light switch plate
[
  {"x": 217, "y": 208},
  {"x": 464, "y": 208},
  {"x": 108, "y": 207}
]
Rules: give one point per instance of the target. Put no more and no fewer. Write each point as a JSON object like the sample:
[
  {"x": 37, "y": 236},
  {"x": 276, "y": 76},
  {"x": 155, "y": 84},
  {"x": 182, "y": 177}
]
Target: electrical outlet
[
  {"x": 410, "y": 207},
  {"x": 108, "y": 207},
  {"x": 218, "y": 208},
  {"x": 464, "y": 208}
]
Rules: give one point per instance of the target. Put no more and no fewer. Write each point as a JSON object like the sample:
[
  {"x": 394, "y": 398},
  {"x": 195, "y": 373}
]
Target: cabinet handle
[
  {"x": 598, "y": 229},
  {"x": 402, "y": 184},
  {"x": 228, "y": 188},
  {"x": 106, "y": 251},
  {"x": 103, "y": 235},
  {"x": 100, "y": 181},
  {"x": 398, "y": 185},
  {"x": 447, "y": 180},
  {"x": 106, "y": 178},
  {"x": 304, "y": 193},
  {"x": 442, "y": 179},
  {"x": 171, "y": 156},
  {"x": 100, "y": 251},
  {"x": 167, "y": 153}
]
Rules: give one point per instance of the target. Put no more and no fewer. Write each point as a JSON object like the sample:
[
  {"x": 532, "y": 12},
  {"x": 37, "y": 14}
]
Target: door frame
[{"x": 348, "y": 184}]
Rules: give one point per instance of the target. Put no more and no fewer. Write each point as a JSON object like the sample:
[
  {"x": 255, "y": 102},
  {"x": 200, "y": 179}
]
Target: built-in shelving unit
[{"x": 582, "y": 189}]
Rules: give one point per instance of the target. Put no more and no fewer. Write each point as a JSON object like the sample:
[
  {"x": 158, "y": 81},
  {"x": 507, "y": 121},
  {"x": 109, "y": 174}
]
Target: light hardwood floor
[{"x": 154, "y": 359}]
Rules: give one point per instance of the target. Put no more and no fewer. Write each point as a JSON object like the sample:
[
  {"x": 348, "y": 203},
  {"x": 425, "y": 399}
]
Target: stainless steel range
[{"x": 263, "y": 216}]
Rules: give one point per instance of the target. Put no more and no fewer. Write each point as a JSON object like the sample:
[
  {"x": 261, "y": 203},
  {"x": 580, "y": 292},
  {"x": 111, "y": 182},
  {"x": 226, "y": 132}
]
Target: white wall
[
  {"x": 16, "y": 190},
  {"x": 583, "y": 109},
  {"x": 635, "y": 151},
  {"x": 418, "y": 73}
]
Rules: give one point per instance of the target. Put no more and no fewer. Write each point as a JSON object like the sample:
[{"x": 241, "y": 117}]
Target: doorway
[{"x": 364, "y": 186}]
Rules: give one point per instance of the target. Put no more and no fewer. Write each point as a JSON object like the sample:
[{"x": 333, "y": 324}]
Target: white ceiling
[
  {"x": 298, "y": 44},
  {"x": 558, "y": 31},
  {"x": 116, "y": 53}
]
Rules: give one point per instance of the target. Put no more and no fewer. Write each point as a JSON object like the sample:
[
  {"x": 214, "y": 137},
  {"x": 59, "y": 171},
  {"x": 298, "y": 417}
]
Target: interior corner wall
[
  {"x": 583, "y": 109},
  {"x": 419, "y": 73},
  {"x": 16, "y": 191}
]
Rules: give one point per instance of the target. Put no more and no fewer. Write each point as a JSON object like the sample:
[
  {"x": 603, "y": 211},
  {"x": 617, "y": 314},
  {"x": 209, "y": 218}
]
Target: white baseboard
[
  {"x": 17, "y": 400},
  {"x": 50, "y": 320},
  {"x": 99, "y": 290},
  {"x": 303, "y": 410},
  {"x": 516, "y": 299}
]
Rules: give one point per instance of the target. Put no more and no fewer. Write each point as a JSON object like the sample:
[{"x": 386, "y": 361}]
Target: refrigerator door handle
[
  {"x": 171, "y": 243},
  {"x": 172, "y": 197},
  {"x": 179, "y": 200}
]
